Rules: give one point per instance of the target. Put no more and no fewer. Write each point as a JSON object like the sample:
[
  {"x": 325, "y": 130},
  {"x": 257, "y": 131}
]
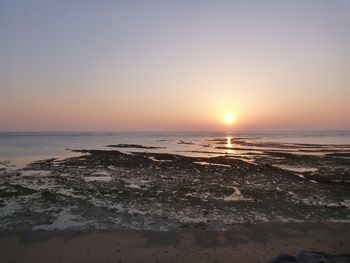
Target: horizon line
[{"x": 161, "y": 131}]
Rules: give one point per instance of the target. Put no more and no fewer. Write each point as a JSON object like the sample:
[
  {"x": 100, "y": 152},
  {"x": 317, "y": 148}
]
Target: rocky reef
[{"x": 110, "y": 189}]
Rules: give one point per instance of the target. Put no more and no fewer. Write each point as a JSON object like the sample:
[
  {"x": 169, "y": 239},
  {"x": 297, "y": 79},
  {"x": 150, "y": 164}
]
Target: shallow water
[{"x": 24, "y": 147}]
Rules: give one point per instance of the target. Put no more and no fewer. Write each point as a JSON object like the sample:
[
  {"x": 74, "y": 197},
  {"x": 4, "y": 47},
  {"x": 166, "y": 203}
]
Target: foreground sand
[{"x": 245, "y": 243}]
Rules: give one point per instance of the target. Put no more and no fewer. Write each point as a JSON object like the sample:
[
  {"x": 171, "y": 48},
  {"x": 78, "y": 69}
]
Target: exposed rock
[
  {"x": 312, "y": 257},
  {"x": 135, "y": 146},
  {"x": 283, "y": 258}
]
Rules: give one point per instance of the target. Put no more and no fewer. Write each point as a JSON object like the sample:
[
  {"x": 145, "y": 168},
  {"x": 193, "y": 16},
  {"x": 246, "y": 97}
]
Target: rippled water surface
[{"x": 23, "y": 147}]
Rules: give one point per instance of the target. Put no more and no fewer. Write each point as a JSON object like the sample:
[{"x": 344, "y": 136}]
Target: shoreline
[{"x": 246, "y": 243}]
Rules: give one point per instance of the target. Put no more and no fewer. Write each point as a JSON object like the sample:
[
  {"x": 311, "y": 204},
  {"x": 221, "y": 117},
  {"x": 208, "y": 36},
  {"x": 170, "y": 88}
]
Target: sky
[{"x": 174, "y": 65}]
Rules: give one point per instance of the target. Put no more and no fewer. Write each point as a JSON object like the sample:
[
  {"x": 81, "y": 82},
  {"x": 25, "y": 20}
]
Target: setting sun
[{"x": 229, "y": 118}]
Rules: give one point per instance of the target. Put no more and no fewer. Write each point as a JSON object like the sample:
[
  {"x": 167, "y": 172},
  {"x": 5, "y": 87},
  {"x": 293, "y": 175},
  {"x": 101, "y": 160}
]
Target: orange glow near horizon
[{"x": 164, "y": 67}]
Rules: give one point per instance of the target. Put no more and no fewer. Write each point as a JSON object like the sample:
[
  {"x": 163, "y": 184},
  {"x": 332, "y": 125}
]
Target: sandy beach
[{"x": 246, "y": 243}]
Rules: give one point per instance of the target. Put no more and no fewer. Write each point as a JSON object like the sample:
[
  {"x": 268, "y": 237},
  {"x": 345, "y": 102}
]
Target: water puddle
[{"x": 213, "y": 164}]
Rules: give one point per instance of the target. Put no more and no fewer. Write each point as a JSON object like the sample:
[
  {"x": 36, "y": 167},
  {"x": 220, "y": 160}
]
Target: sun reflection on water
[{"x": 229, "y": 145}]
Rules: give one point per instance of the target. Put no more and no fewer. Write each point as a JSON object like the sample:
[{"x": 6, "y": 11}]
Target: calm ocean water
[{"x": 24, "y": 147}]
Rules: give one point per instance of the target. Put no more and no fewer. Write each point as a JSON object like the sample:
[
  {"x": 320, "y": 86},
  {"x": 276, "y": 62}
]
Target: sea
[{"x": 21, "y": 148}]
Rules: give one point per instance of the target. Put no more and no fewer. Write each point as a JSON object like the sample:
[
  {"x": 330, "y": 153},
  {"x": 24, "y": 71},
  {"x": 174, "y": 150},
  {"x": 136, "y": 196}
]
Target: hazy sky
[{"x": 174, "y": 65}]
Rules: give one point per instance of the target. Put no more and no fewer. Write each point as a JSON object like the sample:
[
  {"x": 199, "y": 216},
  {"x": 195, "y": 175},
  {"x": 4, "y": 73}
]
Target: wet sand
[{"x": 245, "y": 243}]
